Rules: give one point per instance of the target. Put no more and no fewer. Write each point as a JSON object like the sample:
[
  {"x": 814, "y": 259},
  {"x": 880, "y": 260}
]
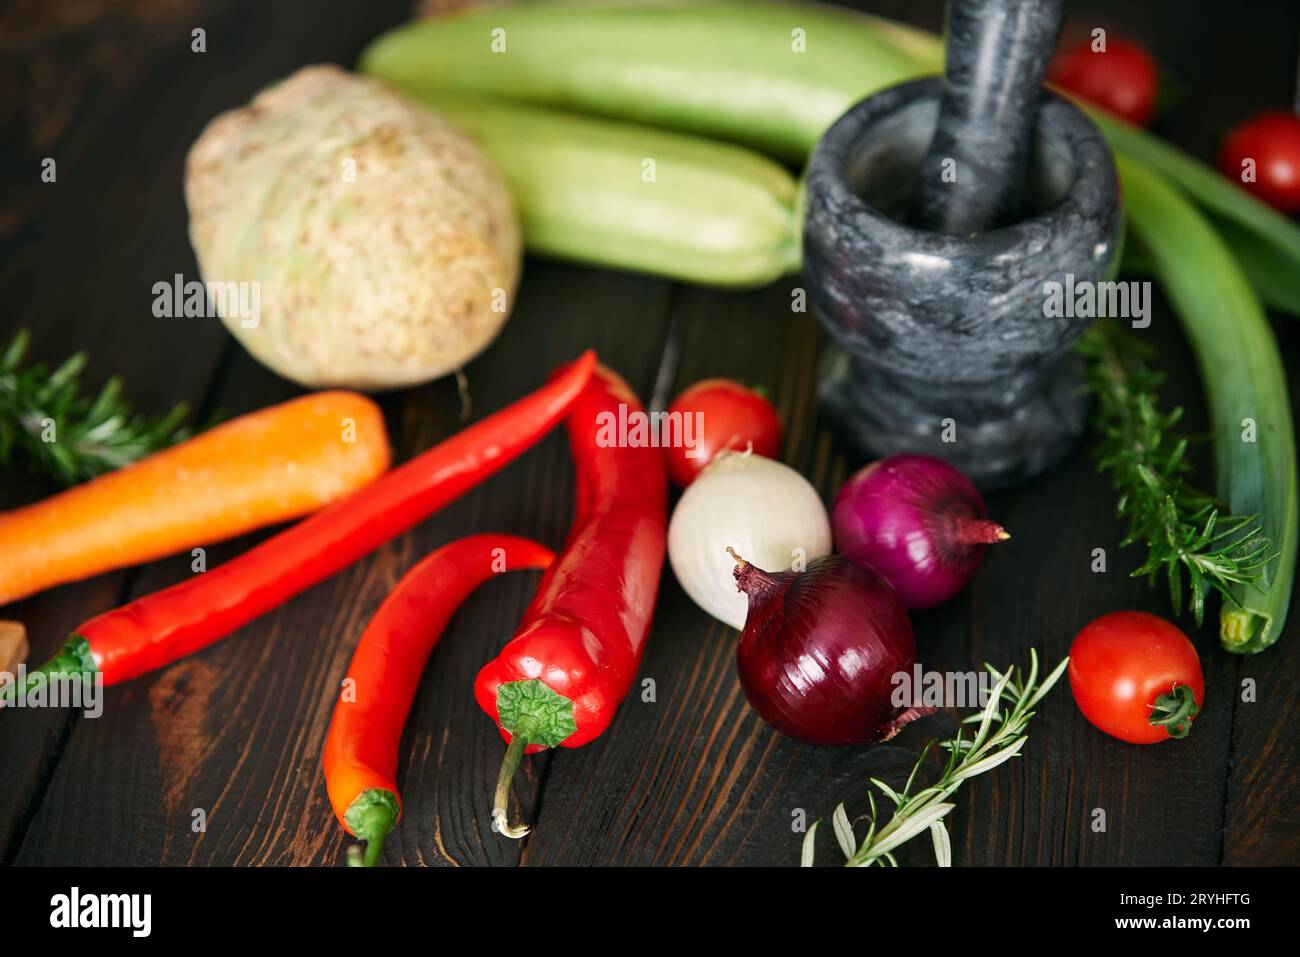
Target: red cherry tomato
[
  {"x": 718, "y": 414},
  {"x": 1272, "y": 140},
  {"x": 1130, "y": 669},
  {"x": 1122, "y": 78}
]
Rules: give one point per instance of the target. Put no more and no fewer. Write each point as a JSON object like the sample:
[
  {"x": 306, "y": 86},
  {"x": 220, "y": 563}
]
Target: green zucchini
[
  {"x": 633, "y": 197},
  {"x": 770, "y": 75}
]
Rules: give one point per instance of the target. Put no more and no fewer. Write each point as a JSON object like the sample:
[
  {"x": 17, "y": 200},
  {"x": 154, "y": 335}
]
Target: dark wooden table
[{"x": 694, "y": 778}]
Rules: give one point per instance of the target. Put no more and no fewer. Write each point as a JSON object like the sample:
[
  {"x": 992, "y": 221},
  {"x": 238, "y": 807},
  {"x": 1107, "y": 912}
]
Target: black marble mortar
[{"x": 944, "y": 346}]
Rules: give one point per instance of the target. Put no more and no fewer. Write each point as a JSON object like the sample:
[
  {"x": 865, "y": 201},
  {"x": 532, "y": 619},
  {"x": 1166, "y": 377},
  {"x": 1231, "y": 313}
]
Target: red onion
[
  {"x": 820, "y": 649},
  {"x": 919, "y": 522}
]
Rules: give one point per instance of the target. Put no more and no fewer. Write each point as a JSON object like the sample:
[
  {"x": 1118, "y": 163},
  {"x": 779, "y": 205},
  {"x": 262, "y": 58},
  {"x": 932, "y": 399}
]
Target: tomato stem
[
  {"x": 500, "y": 819},
  {"x": 1175, "y": 710}
]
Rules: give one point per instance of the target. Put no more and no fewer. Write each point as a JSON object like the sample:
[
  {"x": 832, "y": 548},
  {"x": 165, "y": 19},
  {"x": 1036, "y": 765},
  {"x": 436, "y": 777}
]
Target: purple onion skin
[
  {"x": 820, "y": 648},
  {"x": 918, "y": 521}
]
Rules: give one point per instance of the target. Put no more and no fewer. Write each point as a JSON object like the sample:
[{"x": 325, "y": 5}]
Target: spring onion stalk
[
  {"x": 1267, "y": 268},
  {"x": 1245, "y": 387},
  {"x": 1274, "y": 275}
]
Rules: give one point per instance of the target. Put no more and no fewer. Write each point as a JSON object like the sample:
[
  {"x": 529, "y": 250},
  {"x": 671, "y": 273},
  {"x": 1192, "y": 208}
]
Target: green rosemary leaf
[
  {"x": 1175, "y": 575},
  {"x": 1199, "y": 587},
  {"x": 911, "y": 778},
  {"x": 48, "y": 425},
  {"x": 871, "y": 827},
  {"x": 1189, "y": 542},
  {"x": 1000, "y": 738},
  {"x": 888, "y": 791},
  {"x": 809, "y": 847},
  {"x": 844, "y": 832},
  {"x": 942, "y": 845},
  {"x": 1046, "y": 684}
]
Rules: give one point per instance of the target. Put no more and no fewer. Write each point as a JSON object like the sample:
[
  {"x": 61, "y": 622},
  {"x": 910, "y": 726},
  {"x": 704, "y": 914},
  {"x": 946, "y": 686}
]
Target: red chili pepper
[
  {"x": 577, "y": 651},
  {"x": 158, "y": 629},
  {"x": 360, "y": 759}
]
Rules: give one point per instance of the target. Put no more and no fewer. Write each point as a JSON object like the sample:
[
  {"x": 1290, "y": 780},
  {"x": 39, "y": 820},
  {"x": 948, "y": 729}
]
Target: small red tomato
[
  {"x": 1136, "y": 677},
  {"x": 1121, "y": 78},
  {"x": 1272, "y": 142},
  {"x": 717, "y": 414}
]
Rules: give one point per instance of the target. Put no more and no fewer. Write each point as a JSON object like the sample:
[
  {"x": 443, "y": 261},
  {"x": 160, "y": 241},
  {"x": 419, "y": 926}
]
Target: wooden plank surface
[{"x": 692, "y": 777}]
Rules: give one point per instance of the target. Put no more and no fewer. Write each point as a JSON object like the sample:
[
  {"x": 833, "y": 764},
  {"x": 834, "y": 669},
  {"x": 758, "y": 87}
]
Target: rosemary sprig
[
  {"x": 68, "y": 437},
  {"x": 1184, "y": 532},
  {"x": 1000, "y": 735}
]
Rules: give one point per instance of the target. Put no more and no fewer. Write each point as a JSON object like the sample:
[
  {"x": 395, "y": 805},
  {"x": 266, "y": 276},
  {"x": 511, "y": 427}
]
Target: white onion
[{"x": 765, "y": 510}]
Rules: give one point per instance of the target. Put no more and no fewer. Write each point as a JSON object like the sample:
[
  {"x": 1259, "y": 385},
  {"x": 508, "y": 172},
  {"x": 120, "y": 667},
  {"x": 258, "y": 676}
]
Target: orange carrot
[{"x": 265, "y": 467}]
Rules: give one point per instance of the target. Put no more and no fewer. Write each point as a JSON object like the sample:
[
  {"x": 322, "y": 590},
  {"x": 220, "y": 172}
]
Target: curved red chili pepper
[
  {"x": 160, "y": 628},
  {"x": 577, "y": 651},
  {"x": 360, "y": 756}
]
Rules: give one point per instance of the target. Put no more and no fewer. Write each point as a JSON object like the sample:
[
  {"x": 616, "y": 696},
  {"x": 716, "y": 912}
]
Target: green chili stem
[
  {"x": 74, "y": 658},
  {"x": 501, "y": 802},
  {"x": 370, "y": 817},
  {"x": 376, "y": 822}
]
